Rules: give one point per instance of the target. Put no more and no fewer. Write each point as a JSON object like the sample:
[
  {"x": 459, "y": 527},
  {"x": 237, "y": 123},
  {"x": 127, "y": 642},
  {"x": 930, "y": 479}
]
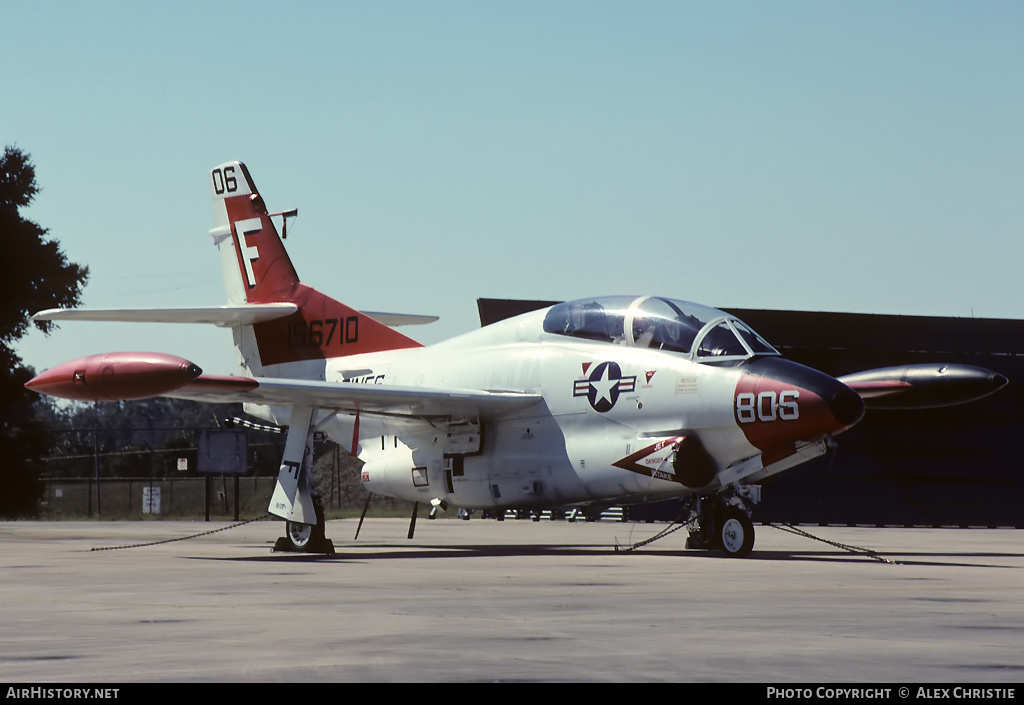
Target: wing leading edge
[
  {"x": 379, "y": 399},
  {"x": 136, "y": 375}
]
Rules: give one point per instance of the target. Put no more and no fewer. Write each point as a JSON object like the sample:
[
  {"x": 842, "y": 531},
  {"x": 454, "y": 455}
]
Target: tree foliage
[{"x": 34, "y": 275}]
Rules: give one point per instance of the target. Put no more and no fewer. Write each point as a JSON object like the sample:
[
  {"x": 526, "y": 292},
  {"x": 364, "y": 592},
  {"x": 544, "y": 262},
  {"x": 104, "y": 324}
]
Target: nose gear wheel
[{"x": 735, "y": 533}]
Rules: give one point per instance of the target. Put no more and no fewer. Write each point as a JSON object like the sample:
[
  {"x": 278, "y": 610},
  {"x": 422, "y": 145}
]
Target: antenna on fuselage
[{"x": 285, "y": 215}]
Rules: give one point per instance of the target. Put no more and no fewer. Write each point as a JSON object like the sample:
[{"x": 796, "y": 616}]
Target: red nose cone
[
  {"x": 115, "y": 377},
  {"x": 780, "y": 403}
]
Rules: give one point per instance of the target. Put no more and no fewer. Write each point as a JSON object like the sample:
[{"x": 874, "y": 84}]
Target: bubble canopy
[{"x": 702, "y": 333}]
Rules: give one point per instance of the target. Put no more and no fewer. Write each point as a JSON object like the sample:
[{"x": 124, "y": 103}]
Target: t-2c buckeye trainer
[{"x": 618, "y": 399}]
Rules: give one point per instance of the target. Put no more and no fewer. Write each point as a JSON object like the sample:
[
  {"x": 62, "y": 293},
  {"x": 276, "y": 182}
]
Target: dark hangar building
[{"x": 949, "y": 466}]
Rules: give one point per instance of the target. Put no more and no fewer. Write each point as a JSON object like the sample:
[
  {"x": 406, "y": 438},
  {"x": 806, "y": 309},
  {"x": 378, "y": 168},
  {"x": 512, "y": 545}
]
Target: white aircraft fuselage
[{"x": 608, "y": 423}]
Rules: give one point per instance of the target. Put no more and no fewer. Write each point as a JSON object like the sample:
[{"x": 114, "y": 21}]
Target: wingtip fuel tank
[
  {"x": 923, "y": 386},
  {"x": 115, "y": 376}
]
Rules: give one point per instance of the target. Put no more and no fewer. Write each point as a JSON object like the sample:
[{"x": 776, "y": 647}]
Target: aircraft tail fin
[{"x": 257, "y": 270}]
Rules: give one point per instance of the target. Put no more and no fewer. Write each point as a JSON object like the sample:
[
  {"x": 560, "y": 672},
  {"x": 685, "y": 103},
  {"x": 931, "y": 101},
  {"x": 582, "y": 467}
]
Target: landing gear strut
[{"x": 722, "y": 522}]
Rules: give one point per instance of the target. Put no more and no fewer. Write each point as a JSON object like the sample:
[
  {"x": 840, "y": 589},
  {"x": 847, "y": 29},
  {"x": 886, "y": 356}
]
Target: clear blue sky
[{"x": 835, "y": 156}]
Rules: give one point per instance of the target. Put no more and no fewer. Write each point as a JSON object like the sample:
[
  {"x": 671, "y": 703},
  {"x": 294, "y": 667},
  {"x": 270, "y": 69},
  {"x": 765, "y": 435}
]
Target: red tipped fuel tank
[{"x": 115, "y": 377}]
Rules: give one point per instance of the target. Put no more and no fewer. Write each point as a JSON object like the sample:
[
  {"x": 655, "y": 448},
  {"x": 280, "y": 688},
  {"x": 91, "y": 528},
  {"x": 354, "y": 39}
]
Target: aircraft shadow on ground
[{"x": 378, "y": 552}]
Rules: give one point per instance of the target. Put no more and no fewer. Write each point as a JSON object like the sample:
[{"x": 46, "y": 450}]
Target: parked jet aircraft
[{"x": 603, "y": 400}]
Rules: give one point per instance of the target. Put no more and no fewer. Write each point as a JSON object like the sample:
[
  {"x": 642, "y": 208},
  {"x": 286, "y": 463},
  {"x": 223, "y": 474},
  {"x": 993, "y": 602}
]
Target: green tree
[{"x": 34, "y": 275}]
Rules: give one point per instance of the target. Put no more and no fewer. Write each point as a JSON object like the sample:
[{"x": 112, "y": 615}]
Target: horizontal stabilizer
[
  {"x": 399, "y": 319},
  {"x": 224, "y": 316}
]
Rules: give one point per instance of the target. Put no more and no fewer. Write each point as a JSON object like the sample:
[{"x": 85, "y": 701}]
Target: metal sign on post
[{"x": 223, "y": 452}]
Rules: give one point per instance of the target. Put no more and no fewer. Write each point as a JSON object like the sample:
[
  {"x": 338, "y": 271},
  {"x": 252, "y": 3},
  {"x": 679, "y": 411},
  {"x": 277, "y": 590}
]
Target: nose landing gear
[{"x": 722, "y": 522}]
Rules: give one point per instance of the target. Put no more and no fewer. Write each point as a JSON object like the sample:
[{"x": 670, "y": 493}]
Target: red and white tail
[{"x": 257, "y": 270}]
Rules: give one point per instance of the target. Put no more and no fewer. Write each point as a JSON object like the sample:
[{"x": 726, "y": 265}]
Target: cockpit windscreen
[{"x": 701, "y": 332}]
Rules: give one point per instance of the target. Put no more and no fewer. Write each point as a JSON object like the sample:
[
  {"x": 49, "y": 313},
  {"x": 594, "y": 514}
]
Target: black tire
[
  {"x": 735, "y": 533},
  {"x": 298, "y": 535}
]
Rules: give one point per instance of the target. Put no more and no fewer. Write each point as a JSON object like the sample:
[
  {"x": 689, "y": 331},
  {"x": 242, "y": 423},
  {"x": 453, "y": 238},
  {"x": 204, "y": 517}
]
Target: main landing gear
[
  {"x": 721, "y": 522},
  {"x": 306, "y": 538},
  {"x": 294, "y": 499}
]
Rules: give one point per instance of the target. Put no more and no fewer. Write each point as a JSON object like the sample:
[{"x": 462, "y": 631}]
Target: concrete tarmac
[{"x": 510, "y": 601}]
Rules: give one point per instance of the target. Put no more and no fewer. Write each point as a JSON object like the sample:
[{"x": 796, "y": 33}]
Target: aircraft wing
[
  {"x": 134, "y": 375},
  {"x": 351, "y": 397},
  {"x": 224, "y": 316}
]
